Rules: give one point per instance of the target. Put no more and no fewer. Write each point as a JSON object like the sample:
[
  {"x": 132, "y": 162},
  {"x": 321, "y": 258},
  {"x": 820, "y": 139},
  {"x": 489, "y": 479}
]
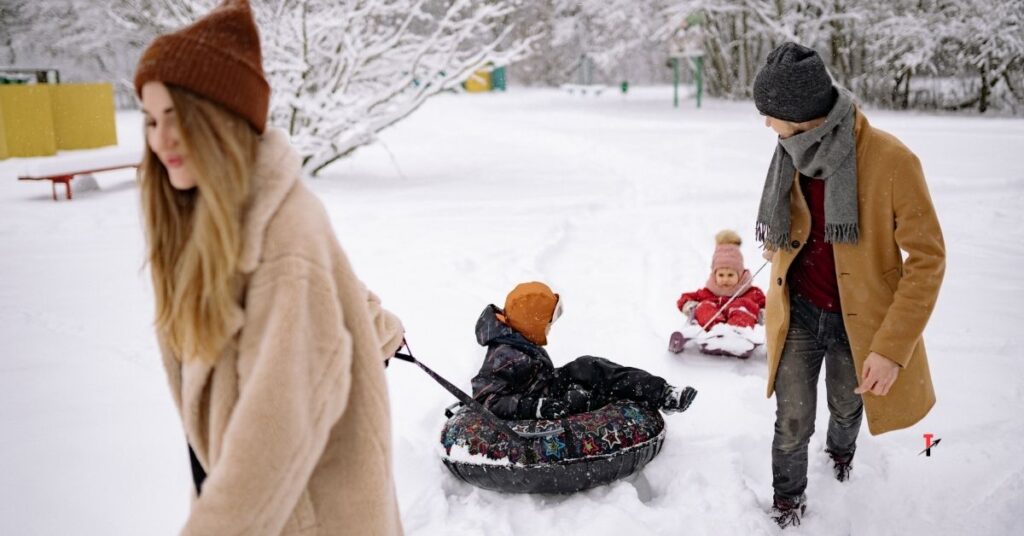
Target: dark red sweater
[{"x": 813, "y": 274}]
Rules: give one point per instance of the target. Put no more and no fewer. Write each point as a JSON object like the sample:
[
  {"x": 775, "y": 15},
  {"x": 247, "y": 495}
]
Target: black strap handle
[
  {"x": 468, "y": 400},
  {"x": 198, "y": 473}
]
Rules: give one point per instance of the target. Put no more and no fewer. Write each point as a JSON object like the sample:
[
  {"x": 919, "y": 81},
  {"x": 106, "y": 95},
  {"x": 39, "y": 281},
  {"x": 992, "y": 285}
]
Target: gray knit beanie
[{"x": 793, "y": 85}]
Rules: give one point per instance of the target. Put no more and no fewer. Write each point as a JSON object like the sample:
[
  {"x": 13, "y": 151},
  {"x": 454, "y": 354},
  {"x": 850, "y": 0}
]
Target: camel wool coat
[
  {"x": 292, "y": 424},
  {"x": 886, "y": 299}
]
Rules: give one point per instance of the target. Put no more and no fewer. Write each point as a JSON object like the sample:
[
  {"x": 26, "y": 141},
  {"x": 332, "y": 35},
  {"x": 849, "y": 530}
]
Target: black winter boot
[
  {"x": 676, "y": 400},
  {"x": 842, "y": 464},
  {"x": 787, "y": 512}
]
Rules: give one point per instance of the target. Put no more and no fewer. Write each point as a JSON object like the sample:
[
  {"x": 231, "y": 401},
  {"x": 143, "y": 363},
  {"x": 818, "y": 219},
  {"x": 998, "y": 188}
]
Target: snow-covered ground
[{"x": 614, "y": 202}]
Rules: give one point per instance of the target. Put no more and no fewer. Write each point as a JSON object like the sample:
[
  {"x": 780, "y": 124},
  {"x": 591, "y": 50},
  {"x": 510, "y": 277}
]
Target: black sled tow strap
[
  {"x": 198, "y": 474},
  {"x": 470, "y": 401}
]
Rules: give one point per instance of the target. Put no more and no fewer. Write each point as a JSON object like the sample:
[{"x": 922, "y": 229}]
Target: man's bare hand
[{"x": 879, "y": 375}]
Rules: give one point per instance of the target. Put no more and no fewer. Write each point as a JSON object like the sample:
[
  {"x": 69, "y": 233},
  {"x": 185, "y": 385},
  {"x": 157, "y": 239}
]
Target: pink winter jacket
[{"x": 752, "y": 298}]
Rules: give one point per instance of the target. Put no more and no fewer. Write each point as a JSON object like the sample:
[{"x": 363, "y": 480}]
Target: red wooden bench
[{"x": 66, "y": 166}]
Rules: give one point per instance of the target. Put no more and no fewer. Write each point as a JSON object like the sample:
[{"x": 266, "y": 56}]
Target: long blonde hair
[{"x": 194, "y": 237}]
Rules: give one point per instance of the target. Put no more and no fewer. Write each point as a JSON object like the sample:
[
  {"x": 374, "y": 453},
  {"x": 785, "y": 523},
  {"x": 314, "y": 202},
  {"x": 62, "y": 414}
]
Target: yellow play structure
[
  {"x": 489, "y": 78},
  {"x": 479, "y": 82},
  {"x": 40, "y": 119}
]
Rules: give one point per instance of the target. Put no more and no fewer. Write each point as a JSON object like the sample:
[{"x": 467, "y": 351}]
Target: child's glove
[
  {"x": 577, "y": 399},
  {"x": 548, "y": 408},
  {"x": 688, "y": 307},
  {"x": 741, "y": 317}
]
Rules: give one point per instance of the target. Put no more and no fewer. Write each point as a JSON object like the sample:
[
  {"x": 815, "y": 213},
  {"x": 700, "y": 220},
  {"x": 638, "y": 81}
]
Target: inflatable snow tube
[{"x": 566, "y": 455}]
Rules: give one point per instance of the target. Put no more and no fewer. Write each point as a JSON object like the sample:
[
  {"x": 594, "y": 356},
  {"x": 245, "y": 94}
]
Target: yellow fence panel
[
  {"x": 3, "y": 135},
  {"x": 28, "y": 120},
  {"x": 83, "y": 115},
  {"x": 39, "y": 119}
]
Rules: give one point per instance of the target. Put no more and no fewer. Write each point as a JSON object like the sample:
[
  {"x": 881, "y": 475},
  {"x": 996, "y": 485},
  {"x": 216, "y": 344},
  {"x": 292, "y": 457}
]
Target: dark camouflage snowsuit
[{"x": 516, "y": 374}]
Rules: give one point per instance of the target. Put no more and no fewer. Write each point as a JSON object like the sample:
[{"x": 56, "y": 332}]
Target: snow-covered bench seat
[{"x": 64, "y": 166}]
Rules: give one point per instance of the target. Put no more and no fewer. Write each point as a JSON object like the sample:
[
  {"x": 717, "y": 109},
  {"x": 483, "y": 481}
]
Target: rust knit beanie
[{"x": 216, "y": 57}]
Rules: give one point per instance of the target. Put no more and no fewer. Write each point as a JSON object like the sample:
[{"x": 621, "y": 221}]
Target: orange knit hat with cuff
[
  {"x": 216, "y": 57},
  {"x": 530, "y": 309}
]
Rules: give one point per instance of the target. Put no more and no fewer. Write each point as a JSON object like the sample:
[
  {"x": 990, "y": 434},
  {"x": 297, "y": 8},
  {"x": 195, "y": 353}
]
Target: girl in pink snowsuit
[{"x": 727, "y": 276}]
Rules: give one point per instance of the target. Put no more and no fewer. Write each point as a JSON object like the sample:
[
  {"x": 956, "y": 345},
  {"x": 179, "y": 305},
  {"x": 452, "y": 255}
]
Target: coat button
[
  {"x": 795, "y": 244},
  {"x": 779, "y": 281}
]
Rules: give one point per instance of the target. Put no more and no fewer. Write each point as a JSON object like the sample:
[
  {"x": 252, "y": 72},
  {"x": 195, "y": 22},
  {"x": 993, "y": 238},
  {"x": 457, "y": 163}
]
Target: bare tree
[
  {"x": 344, "y": 71},
  {"x": 986, "y": 38},
  {"x": 77, "y": 37},
  {"x": 591, "y": 41},
  {"x": 967, "y": 51},
  {"x": 341, "y": 70}
]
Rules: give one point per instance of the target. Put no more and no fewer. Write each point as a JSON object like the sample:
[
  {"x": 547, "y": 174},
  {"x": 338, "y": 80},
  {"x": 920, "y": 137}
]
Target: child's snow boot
[
  {"x": 676, "y": 341},
  {"x": 676, "y": 400}
]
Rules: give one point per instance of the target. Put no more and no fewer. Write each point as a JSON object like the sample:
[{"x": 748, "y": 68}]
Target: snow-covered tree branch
[
  {"x": 958, "y": 53},
  {"x": 343, "y": 71}
]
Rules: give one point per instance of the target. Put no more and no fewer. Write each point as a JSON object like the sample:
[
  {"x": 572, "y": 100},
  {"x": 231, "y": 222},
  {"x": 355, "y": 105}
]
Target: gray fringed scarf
[{"x": 825, "y": 152}]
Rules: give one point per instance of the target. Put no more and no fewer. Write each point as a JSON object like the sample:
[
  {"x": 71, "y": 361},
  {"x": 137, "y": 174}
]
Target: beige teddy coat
[{"x": 292, "y": 424}]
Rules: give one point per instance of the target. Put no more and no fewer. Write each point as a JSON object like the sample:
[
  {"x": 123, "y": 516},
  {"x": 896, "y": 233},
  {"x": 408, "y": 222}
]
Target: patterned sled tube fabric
[{"x": 583, "y": 450}]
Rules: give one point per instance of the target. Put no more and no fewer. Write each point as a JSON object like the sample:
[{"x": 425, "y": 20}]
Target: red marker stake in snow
[{"x": 928, "y": 445}]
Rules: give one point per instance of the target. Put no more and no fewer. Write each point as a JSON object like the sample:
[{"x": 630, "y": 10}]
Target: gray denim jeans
[{"x": 814, "y": 336}]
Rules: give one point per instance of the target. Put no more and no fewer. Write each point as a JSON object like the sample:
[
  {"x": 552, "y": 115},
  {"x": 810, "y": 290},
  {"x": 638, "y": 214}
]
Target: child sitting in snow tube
[
  {"x": 519, "y": 381},
  {"x": 586, "y": 423},
  {"x": 715, "y": 303}
]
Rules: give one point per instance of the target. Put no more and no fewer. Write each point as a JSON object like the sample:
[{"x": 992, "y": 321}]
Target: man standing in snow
[{"x": 842, "y": 203}]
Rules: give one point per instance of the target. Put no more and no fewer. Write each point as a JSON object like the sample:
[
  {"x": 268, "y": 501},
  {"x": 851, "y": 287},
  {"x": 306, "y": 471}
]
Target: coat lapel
[
  {"x": 173, "y": 368},
  {"x": 195, "y": 375},
  {"x": 277, "y": 170}
]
